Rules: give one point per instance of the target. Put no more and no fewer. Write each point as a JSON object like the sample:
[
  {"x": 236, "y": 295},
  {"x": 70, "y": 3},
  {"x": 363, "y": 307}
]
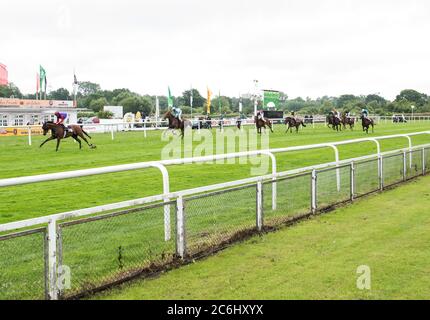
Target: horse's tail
[{"x": 86, "y": 133}]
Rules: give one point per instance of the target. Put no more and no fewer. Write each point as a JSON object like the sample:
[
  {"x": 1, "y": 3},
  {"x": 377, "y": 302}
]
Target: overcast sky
[{"x": 302, "y": 47}]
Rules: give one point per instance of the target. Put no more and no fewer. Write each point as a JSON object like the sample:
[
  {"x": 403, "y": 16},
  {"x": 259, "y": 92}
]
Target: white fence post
[
  {"x": 336, "y": 155},
  {"x": 29, "y": 136},
  {"x": 52, "y": 259},
  {"x": 424, "y": 161},
  {"x": 166, "y": 190},
  {"x": 404, "y": 165},
  {"x": 111, "y": 131},
  {"x": 314, "y": 191},
  {"x": 180, "y": 228},
  {"x": 352, "y": 181},
  {"x": 381, "y": 172},
  {"x": 259, "y": 216}
]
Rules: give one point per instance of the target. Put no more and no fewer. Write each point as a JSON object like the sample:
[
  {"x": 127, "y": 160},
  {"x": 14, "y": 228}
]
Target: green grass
[
  {"x": 28, "y": 201},
  {"x": 316, "y": 259}
]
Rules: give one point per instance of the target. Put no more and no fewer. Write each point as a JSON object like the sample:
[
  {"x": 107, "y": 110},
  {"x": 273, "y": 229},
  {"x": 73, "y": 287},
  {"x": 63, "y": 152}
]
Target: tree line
[{"x": 91, "y": 96}]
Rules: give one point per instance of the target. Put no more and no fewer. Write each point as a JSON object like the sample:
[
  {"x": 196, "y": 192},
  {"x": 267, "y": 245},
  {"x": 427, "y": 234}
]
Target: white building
[{"x": 20, "y": 112}]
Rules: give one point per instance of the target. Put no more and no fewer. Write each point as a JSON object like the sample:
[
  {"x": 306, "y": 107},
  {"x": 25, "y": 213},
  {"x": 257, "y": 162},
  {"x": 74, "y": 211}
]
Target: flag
[
  {"x": 37, "y": 84},
  {"x": 208, "y": 102},
  {"x": 42, "y": 78},
  {"x": 169, "y": 99}
]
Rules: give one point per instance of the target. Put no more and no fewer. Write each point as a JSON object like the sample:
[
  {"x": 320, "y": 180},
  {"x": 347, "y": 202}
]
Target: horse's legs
[
  {"x": 49, "y": 139},
  {"x": 85, "y": 139},
  {"x": 79, "y": 141},
  {"x": 58, "y": 143}
]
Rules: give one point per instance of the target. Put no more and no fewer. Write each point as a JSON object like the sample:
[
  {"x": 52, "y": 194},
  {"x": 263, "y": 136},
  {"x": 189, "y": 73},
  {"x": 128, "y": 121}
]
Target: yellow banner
[
  {"x": 11, "y": 131},
  {"x": 208, "y": 102}
]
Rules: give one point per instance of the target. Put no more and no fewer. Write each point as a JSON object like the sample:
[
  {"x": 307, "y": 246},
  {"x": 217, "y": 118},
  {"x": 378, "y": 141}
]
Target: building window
[
  {"x": 34, "y": 119},
  {"x": 3, "y": 120},
  {"x": 18, "y": 120},
  {"x": 48, "y": 117}
]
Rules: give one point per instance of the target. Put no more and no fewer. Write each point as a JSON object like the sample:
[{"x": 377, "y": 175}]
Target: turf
[
  {"x": 316, "y": 259},
  {"x": 27, "y": 201}
]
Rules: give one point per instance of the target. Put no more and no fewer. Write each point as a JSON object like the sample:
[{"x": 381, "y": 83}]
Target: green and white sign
[{"x": 270, "y": 99}]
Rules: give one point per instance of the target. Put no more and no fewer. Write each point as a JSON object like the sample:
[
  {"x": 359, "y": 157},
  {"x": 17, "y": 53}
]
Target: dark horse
[
  {"x": 334, "y": 122},
  {"x": 366, "y": 123},
  {"x": 59, "y": 132},
  {"x": 262, "y": 123},
  {"x": 175, "y": 123},
  {"x": 348, "y": 121},
  {"x": 293, "y": 123}
]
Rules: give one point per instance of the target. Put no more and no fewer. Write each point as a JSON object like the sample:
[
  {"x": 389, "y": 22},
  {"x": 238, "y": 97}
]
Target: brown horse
[
  {"x": 348, "y": 121},
  {"x": 262, "y": 123},
  {"x": 366, "y": 123},
  {"x": 293, "y": 123},
  {"x": 175, "y": 123},
  {"x": 334, "y": 122},
  {"x": 60, "y": 132}
]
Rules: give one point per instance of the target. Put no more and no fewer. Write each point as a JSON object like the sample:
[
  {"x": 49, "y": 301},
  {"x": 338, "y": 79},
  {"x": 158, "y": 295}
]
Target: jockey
[
  {"x": 260, "y": 115},
  {"x": 336, "y": 113},
  {"x": 365, "y": 113},
  {"x": 61, "y": 117},
  {"x": 347, "y": 114},
  {"x": 177, "y": 112}
]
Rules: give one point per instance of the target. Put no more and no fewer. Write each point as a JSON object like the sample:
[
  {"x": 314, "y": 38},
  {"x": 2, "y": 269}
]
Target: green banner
[{"x": 270, "y": 99}]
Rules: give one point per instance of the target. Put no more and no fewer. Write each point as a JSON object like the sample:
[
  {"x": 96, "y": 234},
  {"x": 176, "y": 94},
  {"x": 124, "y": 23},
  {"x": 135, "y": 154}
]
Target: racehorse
[
  {"x": 176, "y": 124},
  {"x": 59, "y": 133},
  {"x": 366, "y": 123},
  {"x": 334, "y": 122},
  {"x": 348, "y": 121},
  {"x": 262, "y": 123},
  {"x": 292, "y": 122}
]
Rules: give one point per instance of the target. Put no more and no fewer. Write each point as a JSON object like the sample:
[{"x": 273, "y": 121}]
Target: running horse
[
  {"x": 334, "y": 122},
  {"x": 176, "y": 124},
  {"x": 262, "y": 123},
  {"x": 348, "y": 121},
  {"x": 293, "y": 123},
  {"x": 60, "y": 132},
  {"x": 366, "y": 123}
]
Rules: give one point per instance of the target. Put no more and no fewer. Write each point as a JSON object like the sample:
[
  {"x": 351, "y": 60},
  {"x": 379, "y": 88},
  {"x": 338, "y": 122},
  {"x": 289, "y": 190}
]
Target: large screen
[{"x": 273, "y": 114}]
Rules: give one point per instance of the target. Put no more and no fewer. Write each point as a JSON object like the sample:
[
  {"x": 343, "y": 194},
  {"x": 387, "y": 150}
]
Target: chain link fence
[
  {"x": 427, "y": 159},
  {"x": 293, "y": 199},
  {"x": 414, "y": 164},
  {"x": 366, "y": 177},
  {"x": 106, "y": 249},
  {"x": 393, "y": 169},
  {"x": 333, "y": 186},
  {"x": 23, "y": 269},
  {"x": 216, "y": 218}
]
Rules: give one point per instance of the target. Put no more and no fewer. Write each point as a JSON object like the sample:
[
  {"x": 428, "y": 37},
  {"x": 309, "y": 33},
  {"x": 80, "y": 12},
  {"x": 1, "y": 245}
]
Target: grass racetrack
[
  {"x": 317, "y": 258},
  {"x": 28, "y": 201}
]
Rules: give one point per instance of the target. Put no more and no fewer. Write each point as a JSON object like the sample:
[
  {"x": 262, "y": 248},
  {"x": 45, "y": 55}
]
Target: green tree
[
  {"x": 413, "y": 96},
  {"x": 10, "y": 90},
  {"x": 198, "y": 100},
  {"x": 86, "y": 88},
  {"x": 97, "y": 104},
  {"x": 60, "y": 94}
]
